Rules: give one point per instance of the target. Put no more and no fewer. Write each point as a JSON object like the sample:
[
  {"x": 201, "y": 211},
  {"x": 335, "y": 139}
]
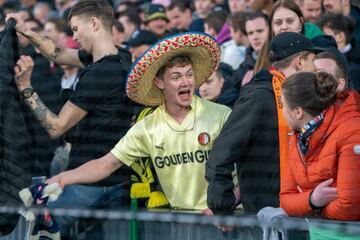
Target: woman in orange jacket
[{"x": 324, "y": 152}]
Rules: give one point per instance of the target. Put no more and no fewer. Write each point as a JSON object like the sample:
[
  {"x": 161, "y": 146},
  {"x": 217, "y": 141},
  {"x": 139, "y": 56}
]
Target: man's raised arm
[
  {"x": 47, "y": 47},
  {"x": 55, "y": 125}
]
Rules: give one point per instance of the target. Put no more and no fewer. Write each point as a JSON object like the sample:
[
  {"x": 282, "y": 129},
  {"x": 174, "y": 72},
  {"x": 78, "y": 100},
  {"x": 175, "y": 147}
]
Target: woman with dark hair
[
  {"x": 285, "y": 16},
  {"x": 324, "y": 152}
]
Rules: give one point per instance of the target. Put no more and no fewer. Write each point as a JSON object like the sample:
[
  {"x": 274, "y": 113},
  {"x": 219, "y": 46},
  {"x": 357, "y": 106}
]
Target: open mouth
[{"x": 185, "y": 94}]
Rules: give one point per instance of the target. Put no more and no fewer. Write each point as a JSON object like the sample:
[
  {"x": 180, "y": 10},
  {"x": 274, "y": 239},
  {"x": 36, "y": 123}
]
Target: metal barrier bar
[{"x": 193, "y": 225}]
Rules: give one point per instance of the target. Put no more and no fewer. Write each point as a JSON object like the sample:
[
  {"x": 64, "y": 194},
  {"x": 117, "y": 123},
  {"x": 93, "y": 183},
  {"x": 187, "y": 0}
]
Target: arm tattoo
[
  {"x": 41, "y": 112},
  {"x": 56, "y": 52},
  {"x": 52, "y": 55}
]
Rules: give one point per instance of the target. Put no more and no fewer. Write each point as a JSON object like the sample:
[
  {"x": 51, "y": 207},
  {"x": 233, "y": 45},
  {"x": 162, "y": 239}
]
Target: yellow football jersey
[{"x": 178, "y": 151}]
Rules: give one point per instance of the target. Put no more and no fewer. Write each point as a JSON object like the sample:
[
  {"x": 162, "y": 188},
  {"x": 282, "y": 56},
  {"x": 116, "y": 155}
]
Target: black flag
[{"x": 15, "y": 140}]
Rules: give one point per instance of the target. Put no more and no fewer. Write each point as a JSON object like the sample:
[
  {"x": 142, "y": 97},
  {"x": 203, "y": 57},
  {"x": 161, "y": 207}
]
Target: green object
[
  {"x": 311, "y": 30},
  {"x": 329, "y": 232},
  {"x": 133, "y": 221}
]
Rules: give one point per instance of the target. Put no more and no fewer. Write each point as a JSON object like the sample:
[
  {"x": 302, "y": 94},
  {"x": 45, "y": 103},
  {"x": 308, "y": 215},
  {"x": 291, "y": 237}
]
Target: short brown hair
[
  {"x": 237, "y": 21},
  {"x": 341, "y": 69},
  {"x": 94, "y": 8},
  {"x": 284, "y": 63},
  {"x": 180, "y": 60},
  {"x": 339, "y": 23},
  {"x": 216, "y": 20}
]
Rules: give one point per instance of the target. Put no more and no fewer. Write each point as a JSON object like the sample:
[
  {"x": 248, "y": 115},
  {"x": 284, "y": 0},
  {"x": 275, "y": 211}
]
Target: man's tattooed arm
[
  {"x": 42, "y": 113},
  {"x": 55, "y": 124},
  {"x": 53, "y": 53},
  {"x": 44, "y": 45}
]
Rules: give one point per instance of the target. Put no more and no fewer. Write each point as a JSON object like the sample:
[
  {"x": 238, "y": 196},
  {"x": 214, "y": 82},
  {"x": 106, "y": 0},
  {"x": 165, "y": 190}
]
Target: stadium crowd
[{"x": 212, "y": 105}]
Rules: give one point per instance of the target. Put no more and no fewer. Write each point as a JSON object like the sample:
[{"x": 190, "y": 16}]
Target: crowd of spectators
[{"x": 287, "y": 72}]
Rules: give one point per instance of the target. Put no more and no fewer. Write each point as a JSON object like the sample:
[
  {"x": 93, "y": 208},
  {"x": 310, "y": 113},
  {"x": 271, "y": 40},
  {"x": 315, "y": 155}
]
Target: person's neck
[
  {"x": 70, "y": 72},
  {"x": 177, "y": 112},
  {"x": 106, "y": 47},
  {"x": 288, "y": 71},
  {"x": 341, "y": 45},
  {"x": 305, "y": 120},
  {"x": 346, "y": 9}
]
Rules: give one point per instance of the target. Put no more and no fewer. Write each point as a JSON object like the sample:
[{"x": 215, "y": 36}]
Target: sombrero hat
[{"x": 201, "y": 48}]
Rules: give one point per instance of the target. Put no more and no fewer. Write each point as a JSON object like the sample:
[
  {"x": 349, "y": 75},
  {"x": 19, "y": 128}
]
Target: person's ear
[
  {"x": 297, "y": 63},
  {"x": 222, "y": 80},
  {"x": 340, "y": 37},
  {"x": 299, "y": 113},
  {"x": 159, "y": 83},
  {"x": 341, "y": 84},
  {"x": 95, "y": 23}
]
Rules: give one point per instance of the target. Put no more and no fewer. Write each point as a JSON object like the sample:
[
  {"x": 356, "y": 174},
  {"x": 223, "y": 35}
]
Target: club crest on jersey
[{"x": 204, "y": 138}]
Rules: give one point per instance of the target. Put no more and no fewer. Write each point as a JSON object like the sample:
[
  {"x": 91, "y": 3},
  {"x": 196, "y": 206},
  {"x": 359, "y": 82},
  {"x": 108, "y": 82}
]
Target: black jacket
[
  {"x": 244, "y": 67},
  {"x": 229, "y": 94},
  {"x": 353, "y": 58},
  {"x": 248, "y": 139}
]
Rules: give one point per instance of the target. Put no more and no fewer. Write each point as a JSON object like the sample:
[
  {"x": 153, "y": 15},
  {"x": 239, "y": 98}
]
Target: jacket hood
[
  {"x": 347, "y": 106},
  {"x": 338, "y": 115}
]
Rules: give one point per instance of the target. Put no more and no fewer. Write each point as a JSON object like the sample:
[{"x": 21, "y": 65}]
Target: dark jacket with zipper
[{"x": 248, "y": 139}]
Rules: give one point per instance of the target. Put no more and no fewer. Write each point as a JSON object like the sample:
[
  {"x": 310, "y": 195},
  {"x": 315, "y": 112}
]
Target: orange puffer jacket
[{"x": 334, "y": 152}]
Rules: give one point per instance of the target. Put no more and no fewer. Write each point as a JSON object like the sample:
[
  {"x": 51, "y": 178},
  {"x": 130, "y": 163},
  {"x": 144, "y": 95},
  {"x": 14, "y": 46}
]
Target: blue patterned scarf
[{"x": 307, "y": 130}]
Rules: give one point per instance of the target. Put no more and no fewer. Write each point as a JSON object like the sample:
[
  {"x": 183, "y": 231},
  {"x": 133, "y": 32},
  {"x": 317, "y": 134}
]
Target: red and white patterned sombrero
[{"x": 201, "y": 48}]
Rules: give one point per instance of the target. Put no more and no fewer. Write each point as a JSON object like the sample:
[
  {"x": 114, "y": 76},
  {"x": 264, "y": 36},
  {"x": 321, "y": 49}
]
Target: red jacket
[{"x": 334, "y": 152}]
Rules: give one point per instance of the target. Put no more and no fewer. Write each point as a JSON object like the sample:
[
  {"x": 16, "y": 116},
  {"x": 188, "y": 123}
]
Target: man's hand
[
  {"x": 20, "y": 24},
  {"x": 323, "y": 194},
  {"x": 23, "y": 71},
  {"x": 209, "y": 212},
  {"x": 57, "y": 179}
]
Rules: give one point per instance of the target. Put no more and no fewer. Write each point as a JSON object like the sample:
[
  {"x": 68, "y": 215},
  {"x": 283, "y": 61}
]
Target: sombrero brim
[{"x": 201, "y": 48}]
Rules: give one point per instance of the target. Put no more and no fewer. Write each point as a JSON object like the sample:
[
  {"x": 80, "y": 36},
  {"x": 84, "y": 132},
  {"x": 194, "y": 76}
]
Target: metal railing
[{"x": 179, "y": 225}]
